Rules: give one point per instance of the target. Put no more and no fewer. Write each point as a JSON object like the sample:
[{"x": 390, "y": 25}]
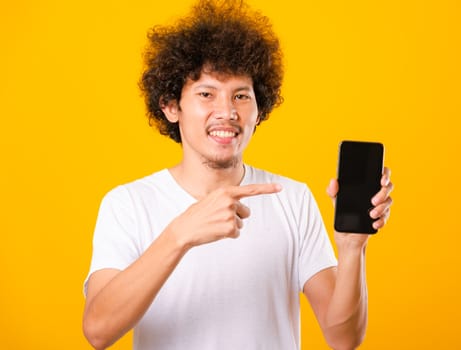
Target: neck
[{"x": 200, "y": 180}]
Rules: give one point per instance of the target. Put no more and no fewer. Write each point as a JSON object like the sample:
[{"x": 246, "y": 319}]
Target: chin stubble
[{"x": 222, "y": 163}]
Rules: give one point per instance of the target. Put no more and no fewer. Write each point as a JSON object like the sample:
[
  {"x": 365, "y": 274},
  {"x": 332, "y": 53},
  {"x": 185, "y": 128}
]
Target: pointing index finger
[{"x": 255, "y": 189}]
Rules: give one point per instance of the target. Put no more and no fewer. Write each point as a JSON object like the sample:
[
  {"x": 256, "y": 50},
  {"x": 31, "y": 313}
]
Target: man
[{"x": 163, "y": 262}]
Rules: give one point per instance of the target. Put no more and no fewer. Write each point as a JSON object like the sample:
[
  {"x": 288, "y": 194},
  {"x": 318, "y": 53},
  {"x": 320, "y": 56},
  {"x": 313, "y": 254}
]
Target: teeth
[{"x": 222, "y": 133}]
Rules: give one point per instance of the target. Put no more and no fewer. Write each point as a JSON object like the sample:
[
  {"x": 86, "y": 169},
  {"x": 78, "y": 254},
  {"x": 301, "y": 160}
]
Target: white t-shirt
[{"x": 231, "y": 294}]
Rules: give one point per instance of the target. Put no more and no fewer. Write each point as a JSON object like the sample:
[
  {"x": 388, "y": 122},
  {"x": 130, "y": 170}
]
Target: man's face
[{"x": 217, "y": 115}]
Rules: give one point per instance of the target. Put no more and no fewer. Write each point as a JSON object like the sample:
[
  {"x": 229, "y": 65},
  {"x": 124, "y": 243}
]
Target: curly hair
[{"x": 226, "y": 37}]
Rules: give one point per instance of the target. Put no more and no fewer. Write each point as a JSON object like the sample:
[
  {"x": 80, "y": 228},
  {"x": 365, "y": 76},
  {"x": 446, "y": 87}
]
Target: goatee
[{"x": 222, "y": 163}]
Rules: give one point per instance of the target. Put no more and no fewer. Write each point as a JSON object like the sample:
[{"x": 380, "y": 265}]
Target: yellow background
[{"x": 73, "y": 127}]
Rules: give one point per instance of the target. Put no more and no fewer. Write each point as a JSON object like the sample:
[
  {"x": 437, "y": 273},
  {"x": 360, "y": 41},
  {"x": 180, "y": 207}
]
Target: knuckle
[
  {"x": 252, "y": 191},
  {"x": 222, "y": 191},
  {"x": 230, "y": 225},
  {"x": 378, "y": 224},
  {"x": 390, "y": 186},
  {"x": 239, "y": 223},
  {"x": 229, "y": 216},
  {"x": 235, "y": 234},
  {"x": 231, "y": 231},
  {"x": 228, "y": 204}
]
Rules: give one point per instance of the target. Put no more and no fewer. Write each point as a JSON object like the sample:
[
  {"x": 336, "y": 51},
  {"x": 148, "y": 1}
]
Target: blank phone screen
[{"x": 359, "y": 173}]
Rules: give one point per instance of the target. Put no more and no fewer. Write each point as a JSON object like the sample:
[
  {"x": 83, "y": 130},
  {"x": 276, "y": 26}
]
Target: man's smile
[{"x": 222, "y": 133}]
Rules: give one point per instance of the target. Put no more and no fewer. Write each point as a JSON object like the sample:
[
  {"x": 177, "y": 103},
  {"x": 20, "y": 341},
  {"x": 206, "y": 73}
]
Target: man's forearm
[
  {"x": 346, "y": 317},
  {"x": 116, "y": 308}
]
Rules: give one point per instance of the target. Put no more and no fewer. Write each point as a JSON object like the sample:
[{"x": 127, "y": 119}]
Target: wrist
[
  {"x": 350, "y": 256},
  {"x": 177, "y": 241},
  {"x": 353, "y": 242},
  {"x": 351, "y": 248}
]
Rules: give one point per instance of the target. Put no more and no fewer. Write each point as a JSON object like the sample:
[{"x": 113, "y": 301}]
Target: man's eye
[
  {"x": 205, "y": 94},
  {"x": 242, "y": 97}
]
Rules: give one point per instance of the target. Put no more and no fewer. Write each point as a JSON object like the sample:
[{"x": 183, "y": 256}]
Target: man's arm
[
  {"x": 338, "y": 296},
  {"x": 116, "y": 300}
]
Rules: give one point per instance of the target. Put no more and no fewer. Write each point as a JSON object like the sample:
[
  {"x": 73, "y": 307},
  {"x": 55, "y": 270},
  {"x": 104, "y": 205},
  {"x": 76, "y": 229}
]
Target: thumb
[{"x": 332, "y": 189}]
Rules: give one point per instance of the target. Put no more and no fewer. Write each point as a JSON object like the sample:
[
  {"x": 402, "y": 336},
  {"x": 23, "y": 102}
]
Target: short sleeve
[
  {"x": 114, "y": 241},
  {"x": 316, "y": 252}
]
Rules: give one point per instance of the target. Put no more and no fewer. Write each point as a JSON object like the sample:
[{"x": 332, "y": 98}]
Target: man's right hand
[{"x": 218, "y": 215}]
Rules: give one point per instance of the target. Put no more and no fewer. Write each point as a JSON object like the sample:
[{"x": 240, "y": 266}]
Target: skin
[{"x": 217, "y": 116}]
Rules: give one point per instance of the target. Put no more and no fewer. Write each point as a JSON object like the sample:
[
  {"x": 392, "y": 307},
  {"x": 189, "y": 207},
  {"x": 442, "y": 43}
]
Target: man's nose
[{"x": 224, "y": 109}]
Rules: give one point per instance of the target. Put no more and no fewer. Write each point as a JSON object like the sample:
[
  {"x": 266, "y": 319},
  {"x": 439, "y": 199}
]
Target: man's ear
[
  {"x": 171, "y": 110},
  {"x": 258, "y": 119}
]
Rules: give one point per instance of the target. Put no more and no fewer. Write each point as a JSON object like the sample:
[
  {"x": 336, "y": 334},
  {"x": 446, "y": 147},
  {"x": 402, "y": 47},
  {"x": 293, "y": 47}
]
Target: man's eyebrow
[
  {"x": 209, "y": 86},
  {"x": 246, "y": 87},
  {"x": 205, "y": 86}
]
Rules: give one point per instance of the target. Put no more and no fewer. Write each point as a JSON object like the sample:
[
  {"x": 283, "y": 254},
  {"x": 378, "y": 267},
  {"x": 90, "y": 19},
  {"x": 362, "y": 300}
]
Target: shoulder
[{"x": 144, "y": 186}]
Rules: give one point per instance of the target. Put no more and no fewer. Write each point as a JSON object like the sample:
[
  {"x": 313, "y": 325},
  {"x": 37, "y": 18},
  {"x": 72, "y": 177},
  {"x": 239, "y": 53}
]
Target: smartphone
[{"x": 360, "y": 168}]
